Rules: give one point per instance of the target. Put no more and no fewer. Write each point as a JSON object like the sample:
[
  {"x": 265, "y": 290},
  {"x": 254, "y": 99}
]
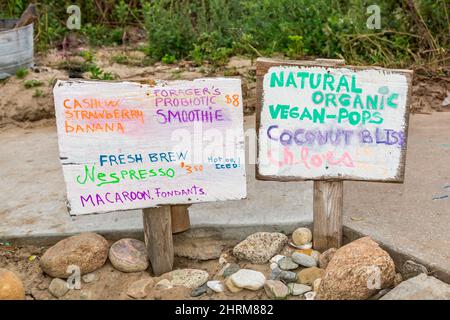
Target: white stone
[
  {"x": 310, "y": 295},
  {"x": 304, "y": 260},
  {"x": 248, "y": 279},
  {"x": 297, "y": 289},
  {"x": 421, "y": 287},
  {"x": 216, "y": 286},
  {"x": 277, "y": 258},
  {"x": 163, "y": 285},
  {"x": 273, "y": 265}
]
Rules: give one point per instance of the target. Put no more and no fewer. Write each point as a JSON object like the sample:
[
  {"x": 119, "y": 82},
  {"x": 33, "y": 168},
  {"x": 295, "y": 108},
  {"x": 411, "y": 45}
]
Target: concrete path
[{"x": 403, "y": 217}]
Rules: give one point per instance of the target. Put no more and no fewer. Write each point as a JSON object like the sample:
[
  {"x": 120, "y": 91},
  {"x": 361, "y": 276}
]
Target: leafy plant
[
  {"x": 21, "y": 72},
  {"x": 32, "y": 83},
  {"x": 38, "y": 93},
  {"x": 168, "y": 59}
]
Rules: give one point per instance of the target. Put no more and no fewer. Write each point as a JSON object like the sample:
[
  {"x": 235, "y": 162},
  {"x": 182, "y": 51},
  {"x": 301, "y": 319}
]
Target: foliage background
[{"x": 414, "y": 32}]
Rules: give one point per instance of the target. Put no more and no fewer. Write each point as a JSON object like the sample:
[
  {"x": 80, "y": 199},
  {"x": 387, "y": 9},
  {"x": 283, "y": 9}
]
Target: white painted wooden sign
[
  {"x": 126, "y": 145},
  {"x": 319, "y": 123}
]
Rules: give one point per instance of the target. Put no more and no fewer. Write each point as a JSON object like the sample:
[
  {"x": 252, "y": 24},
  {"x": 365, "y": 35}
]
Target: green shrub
[
  {"x": 32, "y": 83},
  {"x": 21, "y": 72}
]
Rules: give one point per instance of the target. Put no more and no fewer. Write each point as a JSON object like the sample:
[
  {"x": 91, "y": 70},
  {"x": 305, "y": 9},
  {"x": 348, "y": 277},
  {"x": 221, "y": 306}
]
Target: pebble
[
  {"x": 90, "y": 277},
  {"x": 260, "y": 247},
  {"x": 286, "y": 276},
  {"x": 223, "y": 259},
  {"x": 88, "y": 251},
  {"x": 410, "y": 269},
  {"x": 310, "y": 295},
  {"x": 316, "y": 284},
  {"x": 273, "y": 265},
  {"x": 140, "y": 288},
  {"x": 163, "y": 285},
  {"x": 326, "y": 257},
  {"x": 233, "y": 268},
  {"x": 297, "y": 289},
  {"x": 221, "y": 271},
  {"x": 248, "y": 279},
  {"x": 304, "y": 260},
  {"x": 277, "y": 258},
  {"x": 231, "y": 287},
  {"x": 309, "y": 275},
  {"x": 11, "y": 287},
  {"x": 199, "y": 291},
  {"x": 189, "y": 278},
  {"x": 287, "y": 264},
  {"x": 316, "y": 255},
  {"x": 58, "y": 287},
  {"x": 306, "y": 246},
  {"x": 129, "y": 255},
  {"x": 301, "y": 236},
  {"x": 276, "y": 289},
  {"x": 215, "y": 285}
]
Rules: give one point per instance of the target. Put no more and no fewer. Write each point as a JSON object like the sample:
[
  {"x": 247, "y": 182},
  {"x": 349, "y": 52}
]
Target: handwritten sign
[
  {"x": 126, "y": 145},
  {"x": 319, "y": 123}
]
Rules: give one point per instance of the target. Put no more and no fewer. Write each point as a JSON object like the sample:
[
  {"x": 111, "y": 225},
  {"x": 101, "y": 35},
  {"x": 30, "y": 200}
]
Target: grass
[
  {"x": 32, "y": 83},
  {"x": 412, "y": 32},
  {"x": 21, "y": 73}
]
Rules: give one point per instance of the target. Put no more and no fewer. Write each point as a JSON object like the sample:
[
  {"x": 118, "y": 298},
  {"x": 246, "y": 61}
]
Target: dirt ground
[{"x": 112, "y": 284}]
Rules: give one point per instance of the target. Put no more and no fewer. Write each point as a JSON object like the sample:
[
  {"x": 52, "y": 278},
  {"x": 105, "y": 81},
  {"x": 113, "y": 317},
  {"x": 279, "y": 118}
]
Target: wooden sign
[
  {"x": 322, "y": 122},
  {"x": 126, "y": 145}
]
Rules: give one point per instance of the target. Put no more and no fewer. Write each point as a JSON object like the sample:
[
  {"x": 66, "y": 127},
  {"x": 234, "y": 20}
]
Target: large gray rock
[
  {"x": 421, "y": 287},
  {"x": 88, "y": 251},
  {"x": 260, "y": 247}
]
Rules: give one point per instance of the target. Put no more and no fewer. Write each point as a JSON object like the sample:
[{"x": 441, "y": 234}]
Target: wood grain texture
[
  {"x": 263, "y": 66},
  {"x": 327, "y": 207},
  {"x": 180, "y": 218},
  {"x": 158, "y": 238}
]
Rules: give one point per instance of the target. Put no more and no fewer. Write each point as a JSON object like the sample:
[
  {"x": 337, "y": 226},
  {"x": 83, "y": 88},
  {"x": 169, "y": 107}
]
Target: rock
[
  {"x": 316, "y": 284},
  {"x": 189, "y": 278},
  {"x": 231, "y": 287},
  {"x": 297, "y": 289},
  {"x": 260, "y": 247},
  {"x": 90, "y": 277},
  {"x": 379, "y": 294},
  {"x": 316, "y": 255},
  {"x": 411, "y": 269},
  {"x": 221, "y": 271},
  {"x": 287, "y": 264},
  {"x": 58, "y": 287},
  {"x": 309, "y": 275},
  {"x": 199, "y": 291},
  {"x": 326, "y": 257},
  {"x": 233, "y": 268},
  {"x": 288, "y": 276},
  {"x": 248, "y": 279},
  {"x": 140, "y": 288},
  {"x": 200, "y": 249},
  {"x": 301, "y": 236},
  {"x": 277, "y": 258},
  {"x": 85, "y": 295},
  {"x": 305, "y": 246},
  {"x": 163, "y": 285},
  {"x": 397, "y": 279},
  {"x": 304, "y": 260},
  {"x": 215, "y": 285},
  {"x": 357, "y": 271},
  {"x": 11, "y": 287},
  {"x": 421, "y": 287},
  {"x": 276, "y": 289},
  {"x": 129, "y": 255},
  {"x": 308, "y": 252},
  {"x": 273, "y": 265},
  {"x": 88, "y": 251},
  {"x": 223, "y": 259},
  {"x": 310, "y": 295}
]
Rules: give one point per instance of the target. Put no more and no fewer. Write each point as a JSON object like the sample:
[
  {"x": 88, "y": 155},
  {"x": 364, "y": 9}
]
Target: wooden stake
[
  {"x": 327, "y": 207},
  {"x": 180, "y": 218},
  {"x": 158, "y": 238}
]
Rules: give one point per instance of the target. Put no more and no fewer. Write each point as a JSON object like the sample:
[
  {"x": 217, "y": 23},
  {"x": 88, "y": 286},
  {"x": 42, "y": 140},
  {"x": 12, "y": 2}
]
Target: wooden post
[
  {"x": 327, "y": 207},
  {"x": 180, "y": 218},
  {"x": 158, "y": 238}
]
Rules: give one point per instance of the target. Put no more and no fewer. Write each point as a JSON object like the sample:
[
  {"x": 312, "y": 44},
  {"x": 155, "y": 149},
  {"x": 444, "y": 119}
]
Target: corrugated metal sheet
[{"x": 16, "y": 47}]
